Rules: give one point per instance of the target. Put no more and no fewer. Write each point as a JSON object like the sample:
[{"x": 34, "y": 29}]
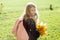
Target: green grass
[
  {"x": 52, "y": 19},
  {"x": 13, "y": 9}
]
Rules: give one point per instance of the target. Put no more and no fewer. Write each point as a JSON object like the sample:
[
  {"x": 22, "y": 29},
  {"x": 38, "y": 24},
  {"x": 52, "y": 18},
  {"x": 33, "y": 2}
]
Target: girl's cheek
[{"x": 32, "y": 11}]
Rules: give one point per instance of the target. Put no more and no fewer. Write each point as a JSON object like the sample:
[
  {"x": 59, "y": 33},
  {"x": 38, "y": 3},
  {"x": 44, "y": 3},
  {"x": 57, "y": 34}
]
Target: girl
[{"x": 20, "y": 30}]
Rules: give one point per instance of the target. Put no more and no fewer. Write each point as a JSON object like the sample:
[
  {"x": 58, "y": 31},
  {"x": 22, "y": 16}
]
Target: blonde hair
[{"x": 27, "y": 13}]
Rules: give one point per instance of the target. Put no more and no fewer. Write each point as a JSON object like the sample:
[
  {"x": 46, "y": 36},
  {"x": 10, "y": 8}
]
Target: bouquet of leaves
[{"x": 42, "y": 28}]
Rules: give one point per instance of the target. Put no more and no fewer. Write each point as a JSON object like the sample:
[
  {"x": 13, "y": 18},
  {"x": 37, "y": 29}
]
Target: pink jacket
[{"x": 19, "y": 30}]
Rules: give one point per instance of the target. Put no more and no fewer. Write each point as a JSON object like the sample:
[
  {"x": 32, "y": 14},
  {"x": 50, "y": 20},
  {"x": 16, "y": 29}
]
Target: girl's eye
[{"x": 32, "y": 10}]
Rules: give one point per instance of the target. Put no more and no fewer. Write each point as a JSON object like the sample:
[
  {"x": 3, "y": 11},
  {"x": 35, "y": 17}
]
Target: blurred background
[{"x": 49, "y": 12}]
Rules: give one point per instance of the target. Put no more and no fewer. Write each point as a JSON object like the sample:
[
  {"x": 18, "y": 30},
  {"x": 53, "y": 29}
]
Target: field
[{"x": 12, "y": 9}]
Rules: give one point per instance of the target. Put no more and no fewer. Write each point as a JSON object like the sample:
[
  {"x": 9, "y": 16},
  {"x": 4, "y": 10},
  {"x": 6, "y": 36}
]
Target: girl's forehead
[{"x": 33, "y": 8}]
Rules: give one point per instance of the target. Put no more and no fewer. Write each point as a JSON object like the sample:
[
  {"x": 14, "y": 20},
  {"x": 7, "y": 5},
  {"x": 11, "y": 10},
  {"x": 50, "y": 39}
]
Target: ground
[{"x": 14, "y": 8}]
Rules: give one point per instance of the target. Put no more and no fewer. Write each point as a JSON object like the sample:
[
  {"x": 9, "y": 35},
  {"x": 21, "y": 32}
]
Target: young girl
[{"x": 20, "y": 30}]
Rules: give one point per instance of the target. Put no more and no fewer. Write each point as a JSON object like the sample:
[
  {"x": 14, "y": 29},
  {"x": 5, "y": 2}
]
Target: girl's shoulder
[{"x": 19, "y": 20}]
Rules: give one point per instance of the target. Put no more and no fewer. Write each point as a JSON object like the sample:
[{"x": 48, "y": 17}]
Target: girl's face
[{"x": 32, "y": 10}]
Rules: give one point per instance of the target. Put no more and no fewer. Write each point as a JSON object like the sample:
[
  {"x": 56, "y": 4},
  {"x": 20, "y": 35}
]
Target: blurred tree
[
  {"x": 51, "y": 7},
  {"x": 1, "y": 7}
]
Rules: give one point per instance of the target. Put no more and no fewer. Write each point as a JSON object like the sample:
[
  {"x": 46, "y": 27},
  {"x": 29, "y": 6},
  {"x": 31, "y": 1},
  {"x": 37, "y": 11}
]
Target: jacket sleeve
[{"x": 32, "y": 28}]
